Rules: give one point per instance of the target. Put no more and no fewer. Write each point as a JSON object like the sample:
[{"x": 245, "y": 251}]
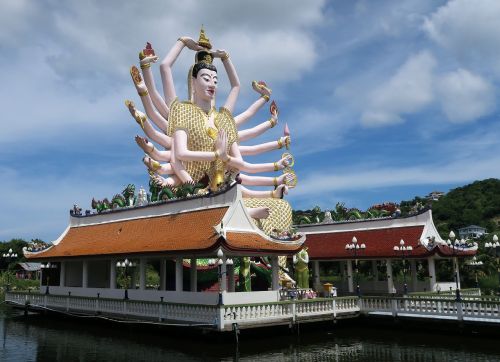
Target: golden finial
[{"x": 203, "y": 40}]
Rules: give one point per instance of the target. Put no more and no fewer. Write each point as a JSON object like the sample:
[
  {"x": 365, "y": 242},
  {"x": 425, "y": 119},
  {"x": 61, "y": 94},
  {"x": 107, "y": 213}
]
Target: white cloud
[
  {"x": 409, "y": 90},
  {"x": 465, "y": 96},
  {"x": 370, "y": 178},
  {"x": 469, "y": 29}
]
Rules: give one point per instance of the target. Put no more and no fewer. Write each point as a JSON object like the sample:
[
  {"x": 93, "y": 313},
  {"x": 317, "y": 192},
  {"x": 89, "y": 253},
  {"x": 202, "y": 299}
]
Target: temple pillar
[
  {"x": 142, "y": 273},
  {"x": 163, "y": 274},
  {"x": 316, "y": 280},
  {"x": 431, "y": 265},
  {"x": 178, "y": 275},
  {"x": 275, "y": 284},
  {"x": 223, "y": 276},
  {"x": 390, "y": 277},
  {"x": 413, "y": 271},
  {"x": 85, "y": 274},
  {"x": 193, "y": 276},
  {"x": 62, "y": 275},
  {"x": 112, "y": 274},
  {"x": 350, "y": 282},
  {"x": 456, "y": 269}
]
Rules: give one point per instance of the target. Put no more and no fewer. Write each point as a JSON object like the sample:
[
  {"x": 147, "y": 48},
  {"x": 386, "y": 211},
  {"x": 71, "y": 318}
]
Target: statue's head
[{"x": 204, "y": 76}]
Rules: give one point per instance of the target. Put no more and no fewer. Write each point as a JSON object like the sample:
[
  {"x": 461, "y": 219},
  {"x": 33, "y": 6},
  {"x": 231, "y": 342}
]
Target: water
[{"x": 47, "y": 339}]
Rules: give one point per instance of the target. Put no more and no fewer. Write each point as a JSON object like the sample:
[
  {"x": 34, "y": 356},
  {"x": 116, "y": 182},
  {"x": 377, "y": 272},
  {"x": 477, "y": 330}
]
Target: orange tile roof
[
  {"x": 254, "y": 242},
  {"x": 169, "y": 233}
]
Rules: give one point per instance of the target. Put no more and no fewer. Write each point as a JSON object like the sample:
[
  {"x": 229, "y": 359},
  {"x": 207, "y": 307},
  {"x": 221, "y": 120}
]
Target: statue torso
[{"x": 193, "y": 120}]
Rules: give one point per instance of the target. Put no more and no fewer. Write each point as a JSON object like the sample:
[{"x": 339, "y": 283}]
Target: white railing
[
  {"x": 469, "y": 309},
  {"x": 217, "y": 316},
  {"x": 201, "y": 314},
  {"x": 289, "y": 311}
]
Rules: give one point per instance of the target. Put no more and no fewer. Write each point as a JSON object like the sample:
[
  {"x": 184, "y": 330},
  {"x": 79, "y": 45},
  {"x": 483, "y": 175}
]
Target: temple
[
  {"x": 382, "y": 242},
  {"x": 169, "y": 236}
]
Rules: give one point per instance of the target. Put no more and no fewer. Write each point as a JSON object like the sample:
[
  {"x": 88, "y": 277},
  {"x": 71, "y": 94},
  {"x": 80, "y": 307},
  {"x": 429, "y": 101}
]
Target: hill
[{"x": 474, "y": 204}]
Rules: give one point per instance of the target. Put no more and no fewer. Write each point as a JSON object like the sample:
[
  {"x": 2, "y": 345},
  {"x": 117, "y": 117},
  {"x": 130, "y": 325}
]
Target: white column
[
  {"x": 163, "y": 274},
  {"x": 85, "y": 274},
  {"x": 432, "y": 274},
  {"x": 413, "y": 271},
  {"x": 275, "y": 284},
  {"x": 142, "y": 273},
  {"x": 316, "y": 280},
  {"x": 62, "y": 274},
  {"x": 457, "y": 271},
  {"x": 223, "y": 284},
  {"x": 193, "y": 276},
  {"x": 390, "y": 277},
  {"x": 178, "y": 274},
  {"x": 350, "y": 281},
  {"x": 112, "y": 274}
]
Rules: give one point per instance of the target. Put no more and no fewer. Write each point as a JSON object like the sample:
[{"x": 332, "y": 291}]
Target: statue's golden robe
[{"x": 190, "y": 118}]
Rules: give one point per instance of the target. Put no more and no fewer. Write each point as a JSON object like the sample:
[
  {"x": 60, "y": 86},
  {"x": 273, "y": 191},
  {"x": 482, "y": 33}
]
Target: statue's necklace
[{"x": 211, "y": 131}]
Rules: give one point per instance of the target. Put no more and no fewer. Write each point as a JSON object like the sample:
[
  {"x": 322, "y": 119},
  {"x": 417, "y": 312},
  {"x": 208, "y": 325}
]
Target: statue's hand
[
  {"x": 285, "y": 179},
  {"x": 144, "y": 144},
  {"x": 161, "y": 181},
  {"x": 190, "y": 43},
  {"x": 149, "y": 59},
  {"x": 261, "y": 88},
  {"x": 219, "y": 53},
  {"x": 220, "y": 145},
  {"x": 280, "y": 191},
  {"x": 285, "y": 162},
  {"x": 285, "y": 141}
]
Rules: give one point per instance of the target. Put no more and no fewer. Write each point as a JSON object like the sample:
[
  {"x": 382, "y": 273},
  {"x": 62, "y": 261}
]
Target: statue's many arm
[
  {"x": 158, "y": 101},
  {"x": 265, "y": 93},
  {"x": 236, "y": 161},
  {"x": 168, "y": 62},
  {"x": 158, "y": 137},
  {"x": 265, "y": 147},
  {"x": 233, "y": 79}
]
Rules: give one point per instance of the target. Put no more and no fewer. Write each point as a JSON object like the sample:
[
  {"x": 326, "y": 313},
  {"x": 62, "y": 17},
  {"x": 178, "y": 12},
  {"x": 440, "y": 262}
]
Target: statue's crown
[{"x": 203, "y": 40}]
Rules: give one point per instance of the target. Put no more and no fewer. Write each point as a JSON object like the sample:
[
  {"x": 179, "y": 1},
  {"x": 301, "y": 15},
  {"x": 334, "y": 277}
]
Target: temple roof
[
  {"x": 196, "y": 227},
  {"x": 328, "y": 241}
]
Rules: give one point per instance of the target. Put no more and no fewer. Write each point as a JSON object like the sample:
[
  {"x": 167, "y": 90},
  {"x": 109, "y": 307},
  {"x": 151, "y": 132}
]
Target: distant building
[
  {"x": 434, "y": 195},
  {"x": 471, "y": 231},
  {"x": 28, "y": 270}
]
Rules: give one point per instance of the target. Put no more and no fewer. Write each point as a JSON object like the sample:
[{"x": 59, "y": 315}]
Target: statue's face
[{"x": 205, "y": 84}]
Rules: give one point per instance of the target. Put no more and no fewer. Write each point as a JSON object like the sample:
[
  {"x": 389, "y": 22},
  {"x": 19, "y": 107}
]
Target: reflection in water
[{"x": 44, "y": 339}]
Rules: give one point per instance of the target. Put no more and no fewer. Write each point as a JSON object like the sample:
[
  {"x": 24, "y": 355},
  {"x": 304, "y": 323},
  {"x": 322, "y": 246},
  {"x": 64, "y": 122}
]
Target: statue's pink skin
[{"x": 204, "y": 91}]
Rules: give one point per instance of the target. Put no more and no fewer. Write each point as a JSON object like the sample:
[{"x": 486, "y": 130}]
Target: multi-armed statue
[{"x": 202, "y": 144}]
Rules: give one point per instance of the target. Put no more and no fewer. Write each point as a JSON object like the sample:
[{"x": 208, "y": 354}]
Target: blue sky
[{"x": 385, "y": 100}]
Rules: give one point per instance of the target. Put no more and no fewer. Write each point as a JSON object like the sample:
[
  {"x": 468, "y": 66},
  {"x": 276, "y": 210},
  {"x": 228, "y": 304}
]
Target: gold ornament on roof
[{"x": 203, "y": 40}]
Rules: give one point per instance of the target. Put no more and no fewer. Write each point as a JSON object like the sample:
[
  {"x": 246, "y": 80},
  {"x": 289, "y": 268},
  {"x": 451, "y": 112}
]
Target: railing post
[
  {"x": 394, "y": 307},
  {"x": 460, "y": 312},
  {"x": 220, "y": 324},
  {"x": 334, "y": 308},
  {"x": 293, "y": 312},
  {"x": 160, "y": 309}
]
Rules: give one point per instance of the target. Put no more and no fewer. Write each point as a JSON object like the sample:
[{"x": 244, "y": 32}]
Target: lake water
[{"x": 47, "y": 339}]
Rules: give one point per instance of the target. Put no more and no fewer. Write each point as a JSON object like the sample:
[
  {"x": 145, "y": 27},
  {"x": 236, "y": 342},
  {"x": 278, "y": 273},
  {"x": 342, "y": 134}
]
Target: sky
[{"x": 385, "y": 100}]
